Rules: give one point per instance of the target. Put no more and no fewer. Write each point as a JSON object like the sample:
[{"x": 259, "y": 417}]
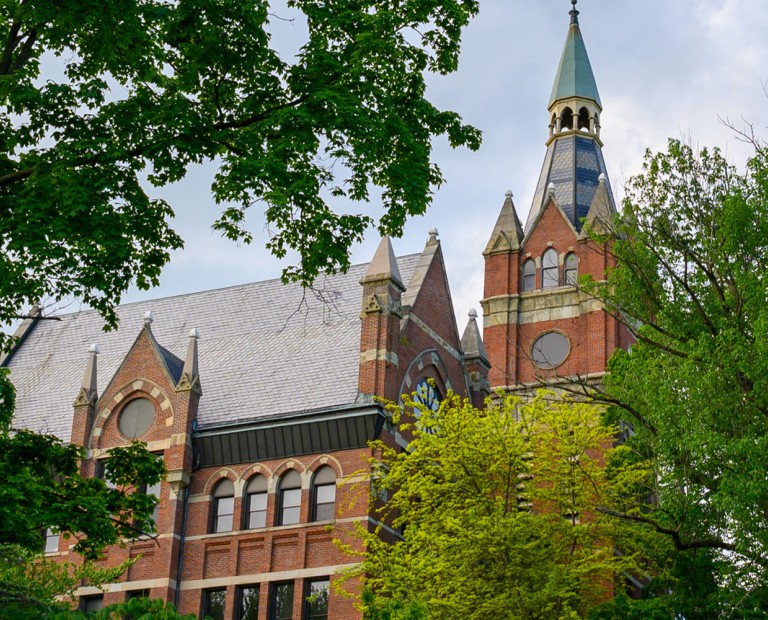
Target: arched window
[
  {"x": 289, "y": 498},
  {"x": 567, "y": 119},
  {"x": 324, "y": 494},
  {"x": 550, "y": 272},
  {"x": 571, "y": 269},
  {"x": 256, "y": 503},
  {"x": 584, "y": 119},
  {"x": 529, "y": 275},
  {"x": 223, "y": 506}
]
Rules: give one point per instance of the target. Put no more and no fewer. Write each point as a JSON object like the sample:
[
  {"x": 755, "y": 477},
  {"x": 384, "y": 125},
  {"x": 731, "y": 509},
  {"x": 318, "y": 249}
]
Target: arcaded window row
[
  {"x": 288, "y": 504},
  {"x": 550, "y": 271}
]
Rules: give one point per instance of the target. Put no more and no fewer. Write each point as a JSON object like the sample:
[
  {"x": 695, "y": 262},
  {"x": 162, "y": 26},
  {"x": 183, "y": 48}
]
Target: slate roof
[
  {"x": 573, "y": 163},
  {"x": 265, "y": 350}
]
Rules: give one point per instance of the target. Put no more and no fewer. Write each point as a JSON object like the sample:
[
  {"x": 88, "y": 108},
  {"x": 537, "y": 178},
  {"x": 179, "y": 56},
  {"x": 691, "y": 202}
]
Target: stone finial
[
  {"x": 473, "y": 314},
  {"x": 190, "y": 375},
  {"x": 601, "y": 178},
  {"x": 551, "y": 189},
  {"x": 383, "y": 266},
  {"x": 574, "y": 13},
  {"x": 149, "y": 318},
  {"x": 509, "y": 194},
  {"x": 88, "y": 388},
  {"x": 433, "y": 234}
]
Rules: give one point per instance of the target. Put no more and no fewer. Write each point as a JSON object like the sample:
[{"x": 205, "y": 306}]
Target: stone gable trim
[{"x": 434, "y": 335}]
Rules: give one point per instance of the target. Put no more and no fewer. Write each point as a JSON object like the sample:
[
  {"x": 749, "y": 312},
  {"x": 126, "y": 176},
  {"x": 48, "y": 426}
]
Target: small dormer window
[{"x": 550, "y": 272}]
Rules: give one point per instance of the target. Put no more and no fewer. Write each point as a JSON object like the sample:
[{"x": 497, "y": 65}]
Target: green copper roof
[{"x": 574, "y": 75}]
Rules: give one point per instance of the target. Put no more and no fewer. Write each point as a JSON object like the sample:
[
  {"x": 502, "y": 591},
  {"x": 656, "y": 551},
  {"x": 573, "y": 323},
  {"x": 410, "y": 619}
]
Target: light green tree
[{"x": 497, "y": 510}]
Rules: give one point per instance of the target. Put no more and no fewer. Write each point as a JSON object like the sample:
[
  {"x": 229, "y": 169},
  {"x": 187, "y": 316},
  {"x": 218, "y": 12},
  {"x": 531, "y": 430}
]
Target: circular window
[
  {"x": 550, "y": 350},
  {"x": 426, "y": 394},
  {"x": 136, "y": 418}
]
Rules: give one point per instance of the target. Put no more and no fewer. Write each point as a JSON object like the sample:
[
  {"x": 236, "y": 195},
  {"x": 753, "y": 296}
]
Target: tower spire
[{"x": 574, "y": 160}]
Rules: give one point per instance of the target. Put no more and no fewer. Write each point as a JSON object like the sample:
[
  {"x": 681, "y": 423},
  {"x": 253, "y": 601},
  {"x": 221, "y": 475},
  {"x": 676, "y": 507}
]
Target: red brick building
[
  {"x": 539, "y": 327},
  {"x": 261, "y": 397}
]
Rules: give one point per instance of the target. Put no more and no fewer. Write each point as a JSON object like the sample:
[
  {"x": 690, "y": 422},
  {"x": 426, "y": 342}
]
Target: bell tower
[{"x": 538, "y": 325}]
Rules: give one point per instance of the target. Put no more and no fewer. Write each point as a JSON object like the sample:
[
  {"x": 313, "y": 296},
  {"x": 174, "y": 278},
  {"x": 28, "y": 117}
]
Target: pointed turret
[
  {"x": 599, "y": 220},
  {"x": 475, "y": 360},
  {"x": 87, "y": 394},
  {"x": 380, "y": 322},
  {"x": 507, "y": 234},
  {"x": 383, "y": 266},
  {"x": 85, "y": 403},
  {"x": 472, "y": 341},
  {"x": 574, "y": 160},
  {"x": 190, "y": 377}
]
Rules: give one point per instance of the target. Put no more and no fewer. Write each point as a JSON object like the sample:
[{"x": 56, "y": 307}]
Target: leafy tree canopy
[
  {"x": 482, "y": 536},
  {"x": 149, "y": 87},
  {"x": 41, "y": 487},
  {"x": 691, "y": 282}
]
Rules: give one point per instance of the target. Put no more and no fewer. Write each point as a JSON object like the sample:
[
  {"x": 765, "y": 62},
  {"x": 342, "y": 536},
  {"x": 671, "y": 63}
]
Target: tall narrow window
[
  {"x": 154, "y": 489},
  {"x": 324, "y": 494},
  {"x": 571, "y": 269},
  {"x": 214, "y": 602},
  {"x": 529, "y": 275},
  {"x": 247, "y": 603},
  {"x": 223, "y": 506},
  {"x": 289, "y": 499},
  {"x": 550, "y": 271},
  {"x": 281, "y": 601},
  {"x": 51, "y": 541},
  {"x": 316, "y": 599},
  {"x": 256, "y": 503}
]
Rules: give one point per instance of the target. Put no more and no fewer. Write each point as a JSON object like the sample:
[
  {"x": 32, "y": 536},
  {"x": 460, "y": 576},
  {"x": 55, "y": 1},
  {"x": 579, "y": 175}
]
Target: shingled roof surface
[{"x": 266, "y": 349}]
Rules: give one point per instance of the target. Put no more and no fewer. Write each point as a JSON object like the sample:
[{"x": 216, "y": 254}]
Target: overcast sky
[{"x": 664, "y": 68}]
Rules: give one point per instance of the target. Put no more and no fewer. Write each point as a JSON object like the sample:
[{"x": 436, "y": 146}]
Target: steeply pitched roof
[
  {"x": 574, "y": 74},
  {"x": 266, "y": 349},
  {"x": 573, "y": 164}
]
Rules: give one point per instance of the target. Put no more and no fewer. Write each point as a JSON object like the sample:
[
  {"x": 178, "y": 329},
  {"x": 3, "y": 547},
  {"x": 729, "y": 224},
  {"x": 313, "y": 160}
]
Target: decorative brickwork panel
[
  {"x": 285, "y": 552},
  {"x": 252, "y": 557},
  {"x": 217, "y": 560}
]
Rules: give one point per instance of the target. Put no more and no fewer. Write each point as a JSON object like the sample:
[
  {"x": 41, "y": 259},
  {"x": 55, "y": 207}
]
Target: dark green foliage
[
  {"x": 691, "y": 281},
  {"x": 149, "y": 87},
  {"x": 41, "y": 487}
]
